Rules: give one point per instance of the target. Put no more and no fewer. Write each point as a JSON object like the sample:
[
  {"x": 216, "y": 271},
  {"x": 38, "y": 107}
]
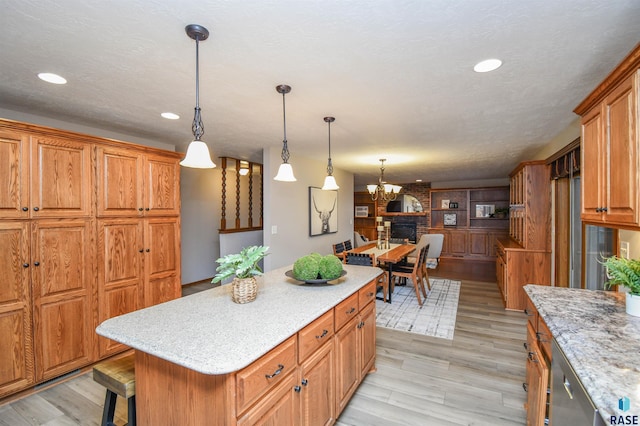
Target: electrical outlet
[
  {"x": 624, "y": 250},
  {"x": 274, "y": 229}
]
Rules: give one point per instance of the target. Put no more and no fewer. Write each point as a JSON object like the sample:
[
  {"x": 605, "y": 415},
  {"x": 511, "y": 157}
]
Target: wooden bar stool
[{"x": 118, "y": 376}]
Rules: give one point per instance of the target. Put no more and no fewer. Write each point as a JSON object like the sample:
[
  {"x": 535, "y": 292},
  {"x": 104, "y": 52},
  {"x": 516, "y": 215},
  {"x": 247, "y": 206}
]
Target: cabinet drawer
[
  {"x": 532, "y": 314},
  {"x": 346, "y": 310},
  {"x": 367, "y": 293},
  {"x": 253, "y": 381},
  {"x": 544, "y": 338},
  {"x": 315, "y": 335}
]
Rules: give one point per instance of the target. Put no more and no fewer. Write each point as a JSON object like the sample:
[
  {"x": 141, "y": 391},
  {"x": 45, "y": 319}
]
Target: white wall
[
  {"x": 286, "y": 206},
  {"x": 201, "y": 192}
]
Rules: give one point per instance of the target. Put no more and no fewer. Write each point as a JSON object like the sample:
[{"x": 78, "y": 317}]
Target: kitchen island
[
  {"x": 203, "y": 359},
  {"x": 600, "y": 341}
]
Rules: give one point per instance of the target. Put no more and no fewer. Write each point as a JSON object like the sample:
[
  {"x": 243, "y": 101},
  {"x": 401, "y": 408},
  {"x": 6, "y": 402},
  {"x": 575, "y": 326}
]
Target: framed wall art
[
  {"x": 450, "y": 219},
  {"x": 323, "y": 211}
]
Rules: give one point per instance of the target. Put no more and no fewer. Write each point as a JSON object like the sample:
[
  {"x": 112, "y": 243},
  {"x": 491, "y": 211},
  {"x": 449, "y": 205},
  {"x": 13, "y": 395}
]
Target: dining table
[{"x": 390, "y": 254}]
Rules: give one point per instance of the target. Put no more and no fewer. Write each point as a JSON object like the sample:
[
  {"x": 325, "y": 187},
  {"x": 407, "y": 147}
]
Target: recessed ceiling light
[
  {"x": 52, "y": 78},
  {"x": 487, "y": 65},
  {"x": 170, "y": 115}
]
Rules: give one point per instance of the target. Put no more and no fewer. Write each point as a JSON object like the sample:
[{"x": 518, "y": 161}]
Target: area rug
[{"x": 436, "y": 317}]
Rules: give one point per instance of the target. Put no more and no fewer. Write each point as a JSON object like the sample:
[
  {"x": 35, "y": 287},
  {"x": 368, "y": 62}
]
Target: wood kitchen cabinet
[
  {"x": 59, "y": 187},
  {"x": 610, "y": 143},
  {"x": 525, "y": 256},
  {"x": 132, "y": 183},
  {"x": 62, "y": 277},
  {"x": 16, "y": 356},
  {"x": 539, "y": 357},
  {"x": 355, "y": 343}
]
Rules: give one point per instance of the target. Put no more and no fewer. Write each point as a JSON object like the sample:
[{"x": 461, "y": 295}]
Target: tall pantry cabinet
[{"x": 52, "y": 294}]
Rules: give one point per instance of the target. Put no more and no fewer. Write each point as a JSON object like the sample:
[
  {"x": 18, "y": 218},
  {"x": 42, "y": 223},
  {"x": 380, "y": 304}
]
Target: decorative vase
[
  {"x": 244, "y": 290},
  {"x": 633, "y": 305}
]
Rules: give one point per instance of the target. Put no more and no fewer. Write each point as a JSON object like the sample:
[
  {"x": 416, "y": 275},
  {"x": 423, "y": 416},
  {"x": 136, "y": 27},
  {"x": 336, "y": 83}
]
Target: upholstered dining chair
[
  {"x": 369, "y": 259},
  {"x": 359, "y": 239},
  {"x": 435, "y": 242},
  {"x": 415, "y": 273}
]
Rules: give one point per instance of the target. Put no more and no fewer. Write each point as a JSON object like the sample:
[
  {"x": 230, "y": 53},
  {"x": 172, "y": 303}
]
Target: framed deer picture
[{"x": 323, "y": 211}]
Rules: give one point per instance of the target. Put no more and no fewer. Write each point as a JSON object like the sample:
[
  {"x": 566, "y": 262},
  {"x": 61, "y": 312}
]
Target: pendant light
[
  {"x": 329, "y": 181},
  {"x": 285, "y": 172},
  {"x": 197, "y": 153}
]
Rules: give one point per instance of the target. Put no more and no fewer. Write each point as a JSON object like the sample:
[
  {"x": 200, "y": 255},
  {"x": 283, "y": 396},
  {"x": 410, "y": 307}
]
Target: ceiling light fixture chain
[{"x": 198, "y": 155}]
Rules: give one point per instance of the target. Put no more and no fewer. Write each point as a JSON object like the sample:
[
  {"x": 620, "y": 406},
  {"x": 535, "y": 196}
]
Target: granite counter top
[
  {"x": 209, "y": 333},
  {"x": 600, "y": 340}
]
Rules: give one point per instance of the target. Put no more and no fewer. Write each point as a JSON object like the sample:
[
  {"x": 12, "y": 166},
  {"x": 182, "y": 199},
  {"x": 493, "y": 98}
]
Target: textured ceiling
[{"x": 397, "y": 75}]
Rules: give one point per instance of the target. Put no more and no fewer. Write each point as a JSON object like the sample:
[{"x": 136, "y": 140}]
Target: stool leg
[
  {"x": 109, "y": 408},
  {"x": 131, "y": 405}
]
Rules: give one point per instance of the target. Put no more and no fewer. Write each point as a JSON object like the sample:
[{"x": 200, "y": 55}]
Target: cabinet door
[
  {"x": 120, "y": 272},
  {"x": 592, "y": 170},
  {"x": 16, "y": 355},
  {"x": 457, "y": 243},
  {"x": 622, "y": 162},
  {"x": 318, "y": 388},
  {"x": 162, "y": 190},
  {"x": 120, "y": 184},
  {"x": 367, "y": 332},
  {"x": 14, "y": 175},
  {"x": 479, "y": 244},
  {"x": 347, "y": 363},
  {"x": 279, "y": 407},
  {"x": 63, "y": 280},
  {"x": 61, "y": 178},
  {"x": 537, "y": 382},
  {"x": 162, "y": 260}
]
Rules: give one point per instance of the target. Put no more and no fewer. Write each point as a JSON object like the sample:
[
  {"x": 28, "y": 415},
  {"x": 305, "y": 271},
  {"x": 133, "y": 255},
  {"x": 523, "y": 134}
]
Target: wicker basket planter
[{"x": 244, "y": 290}]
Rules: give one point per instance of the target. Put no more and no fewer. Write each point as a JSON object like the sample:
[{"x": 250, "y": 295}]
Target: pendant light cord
[{"x": 329, "y": 164}]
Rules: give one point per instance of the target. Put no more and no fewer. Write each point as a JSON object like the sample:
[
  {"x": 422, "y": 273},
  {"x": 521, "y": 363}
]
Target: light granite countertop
[
  {"x": 599, "y": 339},
  {"x": 209, "y": 333}
]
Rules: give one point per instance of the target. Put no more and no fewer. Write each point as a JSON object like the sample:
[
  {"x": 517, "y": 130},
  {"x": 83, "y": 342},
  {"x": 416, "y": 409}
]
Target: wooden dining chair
[
  {"x": 347, "y": 245},
  {"x": 415, "y": 274},
  {"x": 338, "y": 250},
  {"x": 369, "y": 259}
]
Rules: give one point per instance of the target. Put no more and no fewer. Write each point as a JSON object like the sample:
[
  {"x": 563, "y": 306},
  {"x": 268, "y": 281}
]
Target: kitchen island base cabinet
[{"x": 298, "y": 382}]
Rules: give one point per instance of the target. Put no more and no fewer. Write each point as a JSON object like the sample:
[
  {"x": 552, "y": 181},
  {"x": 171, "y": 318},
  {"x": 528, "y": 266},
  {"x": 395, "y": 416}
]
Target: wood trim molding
[{"x": 628, "y": 65}]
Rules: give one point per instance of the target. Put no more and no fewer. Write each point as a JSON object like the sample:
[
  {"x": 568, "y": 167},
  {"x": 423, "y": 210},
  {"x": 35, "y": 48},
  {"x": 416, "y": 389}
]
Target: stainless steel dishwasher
[{"x": 570, "y": 403}]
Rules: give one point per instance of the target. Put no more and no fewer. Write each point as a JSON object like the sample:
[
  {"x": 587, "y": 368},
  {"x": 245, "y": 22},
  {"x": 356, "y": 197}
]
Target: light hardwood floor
[{"x": 474, "y": 379}]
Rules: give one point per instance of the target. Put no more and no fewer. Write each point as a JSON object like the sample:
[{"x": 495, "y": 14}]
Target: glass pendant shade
[
  {"x": 285, "y": 173},
  {"x": 330, "y": 184},
  {"x": 372, "y": 188},
  {"x": 198, "y": 156}
]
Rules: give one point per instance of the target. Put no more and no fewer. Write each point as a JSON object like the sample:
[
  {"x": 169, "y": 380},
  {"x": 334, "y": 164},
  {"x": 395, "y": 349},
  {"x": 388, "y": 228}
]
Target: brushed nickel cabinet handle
[
  {"x": 352, "y": 310},
  {"x": 275, "y": 373},
  {"x": 324, "y": 333}
]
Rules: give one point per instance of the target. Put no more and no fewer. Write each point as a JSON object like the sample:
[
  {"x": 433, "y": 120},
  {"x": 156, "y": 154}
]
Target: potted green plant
[
  {"x": 625, "y": 272},
  {"x": 243, "y": 267},
  {"x": 501, "y": 212}
]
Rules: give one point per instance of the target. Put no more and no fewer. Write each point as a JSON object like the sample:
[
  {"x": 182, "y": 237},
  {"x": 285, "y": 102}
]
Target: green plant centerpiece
[
  {"x": 625, "y": 272},
  {"x": 243, "y": 267},
  {"x": 314, "y": 266}
]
